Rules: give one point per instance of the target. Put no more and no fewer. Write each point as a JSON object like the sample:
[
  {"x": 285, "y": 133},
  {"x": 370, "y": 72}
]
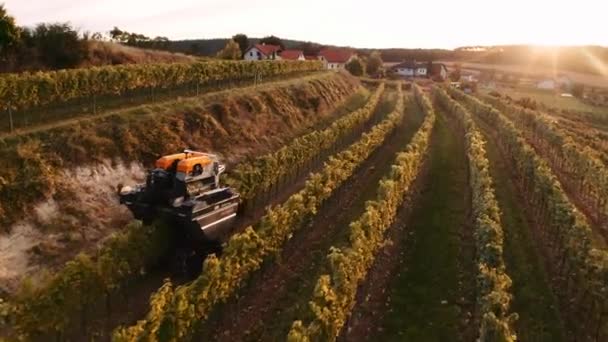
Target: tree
[
  {"x": 242, "y": 40},
  {"x": 455, "y": 74},
  {"x": 9, "y": 32},
  {"x": 230, "y": 51},
  {"x": 59, "y": 45},
  {"x": 116, "y": 34},
  {"x": 374, "y": 63},
  {"x": 356, "y": 66},
  {"x": 272, "y": 40},
  {"x": 97, "y": 36}
]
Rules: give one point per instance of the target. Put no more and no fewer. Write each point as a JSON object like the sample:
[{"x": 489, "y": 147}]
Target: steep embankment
[{"x": 57, "y": 187}]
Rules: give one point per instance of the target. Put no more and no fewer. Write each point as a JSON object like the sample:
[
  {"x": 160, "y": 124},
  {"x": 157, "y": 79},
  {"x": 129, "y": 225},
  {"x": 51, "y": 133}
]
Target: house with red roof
[
  {"x": 292, "y": 55},
  {"x": 336, "y": 59},
  {"x": 259, "y": 52}
]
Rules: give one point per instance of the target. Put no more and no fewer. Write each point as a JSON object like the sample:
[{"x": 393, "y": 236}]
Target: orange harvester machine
[{"x": 186, "y": 187}]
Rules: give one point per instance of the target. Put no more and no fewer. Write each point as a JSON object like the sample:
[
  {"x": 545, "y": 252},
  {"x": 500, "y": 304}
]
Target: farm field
[
  {"x": 592, "y": 80},
  {"x": 552, "y": 99},
  {"x": 367, "y": 210}
]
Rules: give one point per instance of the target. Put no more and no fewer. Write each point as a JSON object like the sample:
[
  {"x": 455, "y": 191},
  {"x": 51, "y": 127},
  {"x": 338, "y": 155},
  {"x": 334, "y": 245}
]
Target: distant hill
[
  {"x": 583, "y": 59},
  {"x": 210, "y": 47}
]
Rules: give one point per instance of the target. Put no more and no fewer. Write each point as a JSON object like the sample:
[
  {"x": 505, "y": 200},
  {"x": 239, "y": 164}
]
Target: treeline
[{"x": 44, "y": 47}]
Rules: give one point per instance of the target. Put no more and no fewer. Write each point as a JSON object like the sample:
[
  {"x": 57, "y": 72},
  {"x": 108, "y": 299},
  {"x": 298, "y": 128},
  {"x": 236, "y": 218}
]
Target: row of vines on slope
[
  {"x": 260, "y": 174},
  {"x": 586, "y": 176},
  {"x": 334, "y": 294},
  {"x": 493, "y": 296},
  {"x": 175, "y": 314},
  {"x": 579, "y": 270},
  {"x": 22, "y": 91},
  {"x": 53, "y": 308}
]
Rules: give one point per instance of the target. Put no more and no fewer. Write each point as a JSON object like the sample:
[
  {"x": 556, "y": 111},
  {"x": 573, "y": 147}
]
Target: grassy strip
[
  {"x": 335, "y": 293},
  {"x": 175, "y": 313},
  {"x": 493, "y": 295}
]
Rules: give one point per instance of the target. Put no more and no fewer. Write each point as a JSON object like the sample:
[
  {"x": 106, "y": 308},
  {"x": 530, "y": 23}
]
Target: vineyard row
[
  {"x": 335, "y": 293},
  {"x": 585, "y": 175},
  {"x": 27, "y": 90},
  {"x": 493, "y": 292}
]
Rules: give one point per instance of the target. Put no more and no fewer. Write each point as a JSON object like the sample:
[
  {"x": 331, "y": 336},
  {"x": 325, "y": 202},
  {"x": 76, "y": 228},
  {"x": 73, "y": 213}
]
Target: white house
[
  {"x": 411, "y": 69},
  {"x": 292, "y": 55},
  {"x": 546, "y": 84},
  {"x": 262, "y": 52},
  {"x": 336, "y": 59}
]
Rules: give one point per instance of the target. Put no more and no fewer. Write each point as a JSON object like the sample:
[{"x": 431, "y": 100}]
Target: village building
[
  {"x": 292, "y": 55},
  {"x": 260, "y": 52},
  {"x": 336, "y": 59}
]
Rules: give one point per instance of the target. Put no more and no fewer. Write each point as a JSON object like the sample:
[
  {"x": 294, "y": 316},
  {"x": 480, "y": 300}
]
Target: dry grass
[{"x": 104, "y": 53}]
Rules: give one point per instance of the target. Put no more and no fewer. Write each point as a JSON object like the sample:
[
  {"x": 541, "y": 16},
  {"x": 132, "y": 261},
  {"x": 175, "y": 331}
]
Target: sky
[{"x": 362, "y": 24}]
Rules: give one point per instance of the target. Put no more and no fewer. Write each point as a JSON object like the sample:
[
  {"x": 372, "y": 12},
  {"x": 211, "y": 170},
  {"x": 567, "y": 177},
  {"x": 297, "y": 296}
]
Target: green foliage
[
  {"x": 230, "y": 51},
  {"x": 245, "y": 252},
  {"x": 58, "y": 45},
  {"x": 22, "y": 91},
  {"x": 272, "y": 40},
  {"x": 356, "y": 66},
  {"x": 242, "y": 40},
  {"x": 493, "y": 296},
  {"x": 374, "y": 63},
  {"x": 9, "y": 32},
  {"x": 334, "y": 294}
]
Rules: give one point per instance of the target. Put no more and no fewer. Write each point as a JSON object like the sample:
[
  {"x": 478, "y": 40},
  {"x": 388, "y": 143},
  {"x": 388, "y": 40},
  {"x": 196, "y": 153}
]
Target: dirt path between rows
[{"x": 279, "y": 294}]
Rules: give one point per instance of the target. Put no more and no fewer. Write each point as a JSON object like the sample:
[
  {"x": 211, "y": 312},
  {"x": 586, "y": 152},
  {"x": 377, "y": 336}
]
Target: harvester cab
[{"x": 185, "y": 187}]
